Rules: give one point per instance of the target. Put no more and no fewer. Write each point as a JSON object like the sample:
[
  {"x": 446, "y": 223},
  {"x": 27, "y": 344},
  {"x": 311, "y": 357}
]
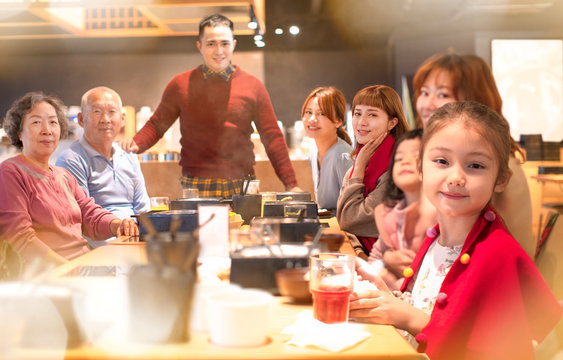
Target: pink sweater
[
  {"x": 41, "y": 210},
  {"x": 215, "y": 122},
  {"x": 400, "y": 227}
]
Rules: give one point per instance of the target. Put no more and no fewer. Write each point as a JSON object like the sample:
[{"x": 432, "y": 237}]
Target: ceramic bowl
[
  {"x": 332, "y": 240},
  {"x": 294, "y": 283}
]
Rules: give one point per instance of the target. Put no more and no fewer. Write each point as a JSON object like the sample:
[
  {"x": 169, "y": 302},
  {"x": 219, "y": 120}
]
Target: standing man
[
  {"x": 107, "y": 173},
  {"x": 216, "y": 103}
]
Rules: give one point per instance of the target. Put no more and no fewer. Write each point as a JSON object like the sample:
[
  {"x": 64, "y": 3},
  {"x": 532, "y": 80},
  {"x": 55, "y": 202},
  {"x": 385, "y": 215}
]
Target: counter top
[{"x": 384, "y": 343}]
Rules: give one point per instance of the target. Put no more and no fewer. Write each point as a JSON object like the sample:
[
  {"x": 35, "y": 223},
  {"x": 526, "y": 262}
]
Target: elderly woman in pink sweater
[{"x": 43, "y": 211}]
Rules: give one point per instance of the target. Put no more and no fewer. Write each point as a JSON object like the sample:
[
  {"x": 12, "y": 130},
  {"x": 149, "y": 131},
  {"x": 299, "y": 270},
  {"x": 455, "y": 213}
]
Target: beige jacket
[
  {"x": 514, "y": 205},
  {"x": 354, "y": 212}
]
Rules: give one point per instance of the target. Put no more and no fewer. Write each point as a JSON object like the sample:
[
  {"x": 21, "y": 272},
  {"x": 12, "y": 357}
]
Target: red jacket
[{"x": 492, "y": 303}]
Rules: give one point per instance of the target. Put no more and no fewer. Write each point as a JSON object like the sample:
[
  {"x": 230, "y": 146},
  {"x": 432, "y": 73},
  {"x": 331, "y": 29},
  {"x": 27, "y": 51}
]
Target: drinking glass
[
  {"x": 159, "y": 203},
  {"x": 331, "y": 283},
  {"x": 190, "y": 193}
]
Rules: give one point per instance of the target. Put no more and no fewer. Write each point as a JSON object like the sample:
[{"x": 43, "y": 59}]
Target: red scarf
[{"x": 378, "y": 164}]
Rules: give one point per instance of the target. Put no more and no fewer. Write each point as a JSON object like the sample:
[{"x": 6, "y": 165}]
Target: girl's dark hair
[
  {"x": 13, "y": 121},
  {"x": 391, "y": 193}
]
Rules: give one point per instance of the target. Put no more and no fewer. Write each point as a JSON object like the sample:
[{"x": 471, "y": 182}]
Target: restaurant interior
[{"x": 64, "y": 47}]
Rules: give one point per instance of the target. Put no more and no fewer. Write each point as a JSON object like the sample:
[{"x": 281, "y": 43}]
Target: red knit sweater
[{"x": 215, "y": 122}]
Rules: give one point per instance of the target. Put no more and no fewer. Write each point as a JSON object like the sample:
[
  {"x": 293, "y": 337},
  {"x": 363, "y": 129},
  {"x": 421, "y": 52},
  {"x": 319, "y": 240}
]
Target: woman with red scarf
[{"x": 378, "y": 121}]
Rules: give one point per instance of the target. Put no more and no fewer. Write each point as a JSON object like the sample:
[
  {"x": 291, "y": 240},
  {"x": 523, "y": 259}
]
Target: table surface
[{"x": 384, "y": 343}]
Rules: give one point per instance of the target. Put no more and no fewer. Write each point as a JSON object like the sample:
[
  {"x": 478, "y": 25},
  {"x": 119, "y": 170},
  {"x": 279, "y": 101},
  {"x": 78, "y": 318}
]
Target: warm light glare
[
  {"x": 278, "y": 31},
  {"x": 294, "y": 30}
]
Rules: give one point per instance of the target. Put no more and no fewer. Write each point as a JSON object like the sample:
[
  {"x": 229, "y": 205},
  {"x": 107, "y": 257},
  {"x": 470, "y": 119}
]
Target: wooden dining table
[{"x": 384, "y": 341}]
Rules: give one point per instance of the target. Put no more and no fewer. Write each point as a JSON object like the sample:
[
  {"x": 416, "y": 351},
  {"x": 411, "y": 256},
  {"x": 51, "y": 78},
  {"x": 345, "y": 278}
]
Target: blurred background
[{"x": 65, "y": 47}]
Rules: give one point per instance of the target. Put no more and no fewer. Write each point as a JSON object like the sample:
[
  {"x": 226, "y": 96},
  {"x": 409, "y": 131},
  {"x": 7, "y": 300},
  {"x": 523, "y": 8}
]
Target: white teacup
[
  {"x": 203, "y": 290},
  {"x": 238, "y": 318}
]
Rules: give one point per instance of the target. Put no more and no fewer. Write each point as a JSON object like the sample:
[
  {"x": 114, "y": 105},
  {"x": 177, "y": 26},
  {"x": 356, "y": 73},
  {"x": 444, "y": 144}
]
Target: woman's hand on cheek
[{"x": 365, "y": 154}]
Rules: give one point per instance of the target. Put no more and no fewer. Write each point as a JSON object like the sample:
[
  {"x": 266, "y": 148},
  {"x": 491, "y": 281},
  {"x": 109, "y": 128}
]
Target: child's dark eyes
[
  {"x": 441, "y": 161},
  {"x": 476, "y": 166}
]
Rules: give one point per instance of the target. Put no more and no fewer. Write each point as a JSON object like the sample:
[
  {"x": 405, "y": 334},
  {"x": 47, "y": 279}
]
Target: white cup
[
  {"x": 238, "y": 318},
  {"x": 198, "y": 317}
]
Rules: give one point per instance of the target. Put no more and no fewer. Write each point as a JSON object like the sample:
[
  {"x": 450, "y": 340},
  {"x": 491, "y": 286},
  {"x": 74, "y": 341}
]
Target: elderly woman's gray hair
[{"x": 13, "y": 121}]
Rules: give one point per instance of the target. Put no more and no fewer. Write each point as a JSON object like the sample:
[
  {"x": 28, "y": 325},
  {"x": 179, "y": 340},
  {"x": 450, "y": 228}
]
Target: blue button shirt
[{"x": 117, "y": 185}]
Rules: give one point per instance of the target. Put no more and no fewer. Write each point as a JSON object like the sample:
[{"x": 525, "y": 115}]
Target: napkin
[{"x": 307, "y": 331}]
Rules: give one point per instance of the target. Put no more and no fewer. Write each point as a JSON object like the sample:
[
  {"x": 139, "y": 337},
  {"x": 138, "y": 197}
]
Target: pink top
[
  {"x": 41, "y": 210},
  {"x": 400, "y": 227}
]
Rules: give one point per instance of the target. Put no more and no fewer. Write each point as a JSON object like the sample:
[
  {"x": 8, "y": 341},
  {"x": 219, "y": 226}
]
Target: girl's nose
[{"x": 456, "y": 178}]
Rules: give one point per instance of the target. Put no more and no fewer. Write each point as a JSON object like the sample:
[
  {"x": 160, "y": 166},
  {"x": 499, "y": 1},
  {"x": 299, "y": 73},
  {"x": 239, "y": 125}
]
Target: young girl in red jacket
[{"x": 471, "y": 291}]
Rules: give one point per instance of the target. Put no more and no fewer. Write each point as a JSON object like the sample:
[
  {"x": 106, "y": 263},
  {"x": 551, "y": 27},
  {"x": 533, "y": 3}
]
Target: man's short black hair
[{"x": 214, "y": 21}]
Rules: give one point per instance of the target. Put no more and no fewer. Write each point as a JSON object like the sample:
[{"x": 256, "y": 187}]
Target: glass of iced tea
[{"x": 331, "y": 283}]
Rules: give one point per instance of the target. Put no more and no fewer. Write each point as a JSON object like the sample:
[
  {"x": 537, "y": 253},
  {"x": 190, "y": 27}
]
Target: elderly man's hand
[{"x": 129, "y": 145}]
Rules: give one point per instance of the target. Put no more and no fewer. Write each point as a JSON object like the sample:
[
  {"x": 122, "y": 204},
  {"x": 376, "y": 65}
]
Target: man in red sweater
[{"x": 216, "y": 103}]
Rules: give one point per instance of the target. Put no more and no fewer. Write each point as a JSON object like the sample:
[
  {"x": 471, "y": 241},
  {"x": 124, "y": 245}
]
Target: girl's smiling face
[
  {"x": 369, "y": 122},
  {"x": 405, "y": 173},
  {"x": 459, "y": 171}
]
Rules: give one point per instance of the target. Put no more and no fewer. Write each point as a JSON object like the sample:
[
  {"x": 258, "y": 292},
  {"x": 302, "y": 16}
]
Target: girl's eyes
[
  {"x": 444, "y": 96},
  {"x": 441, "y": 161},
  {"x": 476, "y": 166}
]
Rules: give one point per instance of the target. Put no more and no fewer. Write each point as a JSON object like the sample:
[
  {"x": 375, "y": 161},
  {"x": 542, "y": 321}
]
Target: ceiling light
[
  {"x": 294, "y": 30},
  {"x": 278, "y": 31},
  {"x": 258, "y": 37},
  {"x": 259, "y": 43},
  {"x": 253, "y": 25}
]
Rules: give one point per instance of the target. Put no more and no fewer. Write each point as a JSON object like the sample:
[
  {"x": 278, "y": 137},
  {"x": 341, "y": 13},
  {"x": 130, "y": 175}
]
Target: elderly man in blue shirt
[{"x": 107, "y": 173}]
